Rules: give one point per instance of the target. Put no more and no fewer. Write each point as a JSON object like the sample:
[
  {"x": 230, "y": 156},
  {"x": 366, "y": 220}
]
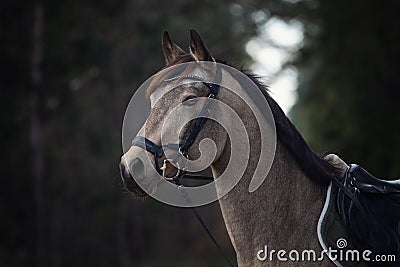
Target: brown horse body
[{"x": 281, "y": 214}]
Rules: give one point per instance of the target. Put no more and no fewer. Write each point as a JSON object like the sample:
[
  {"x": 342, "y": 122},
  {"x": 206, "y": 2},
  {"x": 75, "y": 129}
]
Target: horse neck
[{"x": 282, "y": 213}]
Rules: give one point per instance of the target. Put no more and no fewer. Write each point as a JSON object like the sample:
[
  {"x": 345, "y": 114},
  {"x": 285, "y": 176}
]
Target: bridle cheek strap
[
  {"x": 194, "y": 130},
  {"x": 198, "y": 122}
]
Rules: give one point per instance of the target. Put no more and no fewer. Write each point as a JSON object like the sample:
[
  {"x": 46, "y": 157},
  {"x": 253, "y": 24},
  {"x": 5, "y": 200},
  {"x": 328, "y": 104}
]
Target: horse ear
[
  {"x": 170, "y": 49},
  {"x": 198, "y": 49}
]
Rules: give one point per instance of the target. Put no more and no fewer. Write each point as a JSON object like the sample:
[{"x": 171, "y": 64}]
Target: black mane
[{"x": 315, "y": 167}]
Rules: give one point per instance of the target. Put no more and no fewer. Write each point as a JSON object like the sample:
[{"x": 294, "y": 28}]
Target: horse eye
[{"x": 189, "y": 100}]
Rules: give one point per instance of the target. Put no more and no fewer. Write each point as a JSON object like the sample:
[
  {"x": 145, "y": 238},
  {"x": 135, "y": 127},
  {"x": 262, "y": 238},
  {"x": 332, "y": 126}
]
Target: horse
[{"x": 283, "y": 212}]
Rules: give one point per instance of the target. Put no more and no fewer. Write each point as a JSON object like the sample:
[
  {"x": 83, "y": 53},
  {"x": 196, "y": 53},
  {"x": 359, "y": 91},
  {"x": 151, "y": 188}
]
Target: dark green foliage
[
  {"x": 97, "y": 52},
  {"x": 349, "y": 83}
]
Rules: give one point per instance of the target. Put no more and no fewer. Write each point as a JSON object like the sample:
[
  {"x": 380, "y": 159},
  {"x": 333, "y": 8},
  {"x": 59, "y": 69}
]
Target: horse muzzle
[{"x": 137, "y": 170}]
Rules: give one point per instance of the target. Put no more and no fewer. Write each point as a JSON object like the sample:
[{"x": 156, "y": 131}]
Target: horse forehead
[
  {"x": 163, "y": 90},
  {"x": 158, "y": 93},
  {"x": 228, "y": 80},
  {"x": 197, "y": 71}
]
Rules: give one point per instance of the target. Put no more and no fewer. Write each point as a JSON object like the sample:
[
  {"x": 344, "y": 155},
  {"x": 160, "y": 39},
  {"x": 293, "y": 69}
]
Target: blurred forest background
[{"x": 69, "y": 69}]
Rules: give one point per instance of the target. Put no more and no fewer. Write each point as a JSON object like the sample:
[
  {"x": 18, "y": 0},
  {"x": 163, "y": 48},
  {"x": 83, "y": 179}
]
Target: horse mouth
[{"x": 130, "y": 183}]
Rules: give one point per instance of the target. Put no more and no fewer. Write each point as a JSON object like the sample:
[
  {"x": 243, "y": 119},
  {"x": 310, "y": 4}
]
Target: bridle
[
  {"x": 183, "y": 147},
  {"x": 190, "y": 136}
]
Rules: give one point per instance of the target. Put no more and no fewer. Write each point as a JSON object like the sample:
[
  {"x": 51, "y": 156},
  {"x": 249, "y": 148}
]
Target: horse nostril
[
  {"x": 137, "y": 168},
  {"x": 127, "y": 177}
]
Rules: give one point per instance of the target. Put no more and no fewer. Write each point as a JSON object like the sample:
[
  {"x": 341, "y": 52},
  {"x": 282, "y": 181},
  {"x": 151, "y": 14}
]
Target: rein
[{"x": 181, "y": 150}]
